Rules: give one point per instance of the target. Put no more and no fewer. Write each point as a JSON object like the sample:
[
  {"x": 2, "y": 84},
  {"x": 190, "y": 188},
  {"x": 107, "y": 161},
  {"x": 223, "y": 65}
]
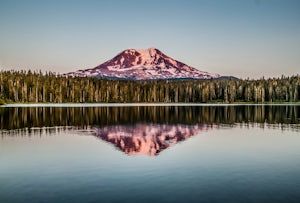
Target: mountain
[{"x": 143, "y": 64}]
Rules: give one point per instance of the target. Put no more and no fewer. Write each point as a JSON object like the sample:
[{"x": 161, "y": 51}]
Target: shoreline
[{"x": 142, "y": 104}]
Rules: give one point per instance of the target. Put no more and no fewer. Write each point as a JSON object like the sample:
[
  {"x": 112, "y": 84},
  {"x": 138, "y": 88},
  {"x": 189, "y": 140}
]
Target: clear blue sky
[{"x": 244, "y": 38}]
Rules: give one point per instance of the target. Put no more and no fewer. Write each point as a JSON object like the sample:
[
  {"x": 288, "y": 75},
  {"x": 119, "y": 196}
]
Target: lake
[{"x": 235, "y": 153}]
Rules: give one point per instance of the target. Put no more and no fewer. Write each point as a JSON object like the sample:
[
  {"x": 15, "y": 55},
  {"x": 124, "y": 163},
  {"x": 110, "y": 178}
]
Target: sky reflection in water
[{"x": 180, "y": 154}]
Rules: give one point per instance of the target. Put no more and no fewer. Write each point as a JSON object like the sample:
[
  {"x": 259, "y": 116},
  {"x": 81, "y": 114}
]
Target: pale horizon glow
[{"x": 251, "y": 38}]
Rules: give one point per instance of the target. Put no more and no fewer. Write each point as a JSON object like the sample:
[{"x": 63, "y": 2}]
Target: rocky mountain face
[{"x": 144, "y": 64}]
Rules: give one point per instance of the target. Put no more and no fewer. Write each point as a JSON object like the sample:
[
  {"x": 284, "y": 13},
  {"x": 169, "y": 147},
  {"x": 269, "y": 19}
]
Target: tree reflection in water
[{"x": 143, "y": 129}]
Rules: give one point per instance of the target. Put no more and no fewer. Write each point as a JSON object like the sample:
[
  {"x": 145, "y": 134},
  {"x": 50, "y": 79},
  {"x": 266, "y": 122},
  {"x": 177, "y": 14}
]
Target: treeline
[
  {"x": 22, "y": 86},
  {"x": 83, "y": 117}
]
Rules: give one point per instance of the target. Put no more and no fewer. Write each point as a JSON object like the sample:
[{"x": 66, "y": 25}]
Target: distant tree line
[{"x": 28, "y": 86}]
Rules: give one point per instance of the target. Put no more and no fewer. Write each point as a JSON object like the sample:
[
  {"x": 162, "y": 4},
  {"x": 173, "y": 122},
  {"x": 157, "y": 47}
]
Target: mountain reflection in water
[{"x": 146, "y": 139}]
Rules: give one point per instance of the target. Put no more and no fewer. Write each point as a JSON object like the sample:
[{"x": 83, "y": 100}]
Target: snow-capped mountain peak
[{"x": 143, "y": 64}]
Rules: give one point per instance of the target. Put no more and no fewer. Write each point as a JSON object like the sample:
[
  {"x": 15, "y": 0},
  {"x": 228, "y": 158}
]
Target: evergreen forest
[{"x": 33, "y": 87}]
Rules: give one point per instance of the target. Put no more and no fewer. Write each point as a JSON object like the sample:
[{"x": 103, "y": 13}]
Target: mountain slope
[{"x": 143, "y": 64}]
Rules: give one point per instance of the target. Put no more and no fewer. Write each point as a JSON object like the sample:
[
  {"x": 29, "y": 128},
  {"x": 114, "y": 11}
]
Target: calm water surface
[{"x": 150, "y": 154}]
